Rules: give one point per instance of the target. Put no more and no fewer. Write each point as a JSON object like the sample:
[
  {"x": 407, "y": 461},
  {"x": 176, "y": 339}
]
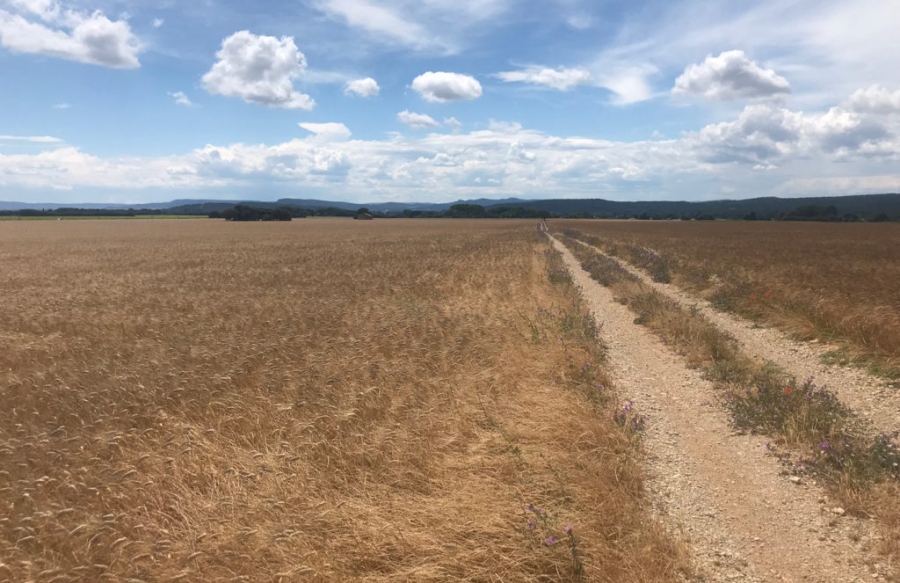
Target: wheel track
[
  {"x": 870, "y": 397},
  {"x": 745, "y": 520}
]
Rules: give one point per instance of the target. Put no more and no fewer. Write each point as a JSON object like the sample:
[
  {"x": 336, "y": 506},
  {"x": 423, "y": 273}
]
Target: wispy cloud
[
  {"x": 181, "y": 99},
  {"x": 32, "y": 139},
  {"x": 437, "y": 25},
  {"x": 382, "y": 22},
  {"x": 561, "y": 79}
]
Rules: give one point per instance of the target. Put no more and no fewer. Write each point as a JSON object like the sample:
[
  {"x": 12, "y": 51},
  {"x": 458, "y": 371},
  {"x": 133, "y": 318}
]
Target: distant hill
[
  {"x": 16, "y": 206},
  {"x": 866, "y": 205},
  {"x": 386, "y": 207},
  {"x": 209, "y": 205},
  {"x": 882, "y": 206}
]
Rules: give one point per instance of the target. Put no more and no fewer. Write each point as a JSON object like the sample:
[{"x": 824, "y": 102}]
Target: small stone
[
  {"x": 796, "y": 479},
  {"x": 838, "y": 510}
]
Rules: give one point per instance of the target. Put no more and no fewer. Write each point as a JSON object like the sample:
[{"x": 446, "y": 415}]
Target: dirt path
[
  {"x": 745, "y": 520},
  {"x": 869, "y": 396}
]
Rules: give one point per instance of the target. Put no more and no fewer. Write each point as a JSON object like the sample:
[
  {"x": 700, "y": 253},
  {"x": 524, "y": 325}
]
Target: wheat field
[
  {"x": 830, "y": 282},
  {"x": 320, "y": 400}
]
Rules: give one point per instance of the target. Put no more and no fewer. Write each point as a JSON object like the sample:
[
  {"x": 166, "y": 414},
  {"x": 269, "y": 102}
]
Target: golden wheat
[
  {"x": 829, "y": 281},
  {"x": 321, "y": 400}
]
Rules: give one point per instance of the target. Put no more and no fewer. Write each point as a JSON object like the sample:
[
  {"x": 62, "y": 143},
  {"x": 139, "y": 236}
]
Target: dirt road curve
[
  {"x": 746, "y": 521},
  {"x": 870, "y": 397}
]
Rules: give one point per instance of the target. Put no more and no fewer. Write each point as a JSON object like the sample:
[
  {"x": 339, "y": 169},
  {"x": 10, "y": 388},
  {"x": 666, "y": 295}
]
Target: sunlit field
[
  {"x": 831, "y": 282},
  {"x": 321, "y": 400}
]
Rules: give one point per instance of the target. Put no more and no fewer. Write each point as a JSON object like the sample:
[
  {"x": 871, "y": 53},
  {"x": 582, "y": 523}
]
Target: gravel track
[
  {"x": 869, "y": 396},
  {"x": 745, "y": 519}
]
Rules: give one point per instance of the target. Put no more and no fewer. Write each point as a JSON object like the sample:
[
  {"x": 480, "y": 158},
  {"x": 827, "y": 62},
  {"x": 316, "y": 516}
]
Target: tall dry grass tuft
[{"x": 310, "y": 401}]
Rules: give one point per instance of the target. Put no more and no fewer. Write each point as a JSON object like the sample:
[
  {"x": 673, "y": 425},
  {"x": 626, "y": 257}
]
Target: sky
[{"x": 127, "y": 101}]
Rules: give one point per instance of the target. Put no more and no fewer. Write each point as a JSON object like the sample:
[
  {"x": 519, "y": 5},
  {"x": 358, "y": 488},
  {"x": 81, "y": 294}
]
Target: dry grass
[
  {"x": 320, "y": 400},
  {"x": 828, "y": 281}
]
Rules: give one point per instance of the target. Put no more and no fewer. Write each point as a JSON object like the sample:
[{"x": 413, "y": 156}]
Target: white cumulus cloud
[
  {"x": 367, "y": 87},
  {"x": 418, "y": 121},
  {"x": 157, "y": 22},
  {"x": 452, "y": 123},
  {"x": 764, "y": 150},
  {"x": 731, "y": 75},
  {"x": 86, "y": 38},
  {"x": 766, "y": 135},
  {"x": 328, "y": 131},
  {"x": 181, "y": 99},
  {"x": 260, "y": 70},
  {"x": 561, "y": 79},
  {"x": 875, "y": 99},
  {"x": 441, "y": 87}
]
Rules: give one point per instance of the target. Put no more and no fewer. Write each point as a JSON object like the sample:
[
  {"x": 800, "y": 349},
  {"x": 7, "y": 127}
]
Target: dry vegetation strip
[
  {"x": 815, "y": 434},
  {"x": 833, "y": 282},
  {"x": 311, "y": 401}
]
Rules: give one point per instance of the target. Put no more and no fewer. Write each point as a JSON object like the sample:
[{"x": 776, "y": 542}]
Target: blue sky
[{"x": 440, "y": 100}]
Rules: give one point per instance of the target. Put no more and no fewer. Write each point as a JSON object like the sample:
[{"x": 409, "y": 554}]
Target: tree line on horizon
[
  {"x": 458, "y": 211},
  {"x": 586, "y": 209},
  {"x": 819, "y": 213}
]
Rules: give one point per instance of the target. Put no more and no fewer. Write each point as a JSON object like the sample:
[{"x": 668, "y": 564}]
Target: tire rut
[
  {"x": 745, "y": 520},
  {"x": 870, "y": 397}
]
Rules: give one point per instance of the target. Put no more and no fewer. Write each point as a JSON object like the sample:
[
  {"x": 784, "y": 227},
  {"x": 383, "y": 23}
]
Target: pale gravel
[
  {"x": 745, "y": 520},
  {"x": 872, "y": 398}
]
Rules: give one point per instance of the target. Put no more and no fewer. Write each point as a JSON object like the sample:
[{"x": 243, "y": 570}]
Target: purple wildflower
[
  {"x": 551, "y": 540},
  {"x": 569, "y": 529}
]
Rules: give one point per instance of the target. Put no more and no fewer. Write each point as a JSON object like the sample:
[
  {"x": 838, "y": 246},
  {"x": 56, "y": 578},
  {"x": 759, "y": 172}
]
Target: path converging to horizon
[{"x": 745, "y": 517}]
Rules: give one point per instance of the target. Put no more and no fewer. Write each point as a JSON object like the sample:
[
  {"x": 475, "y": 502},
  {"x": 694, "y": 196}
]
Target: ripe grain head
[{"x": 320, "y": 400}]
